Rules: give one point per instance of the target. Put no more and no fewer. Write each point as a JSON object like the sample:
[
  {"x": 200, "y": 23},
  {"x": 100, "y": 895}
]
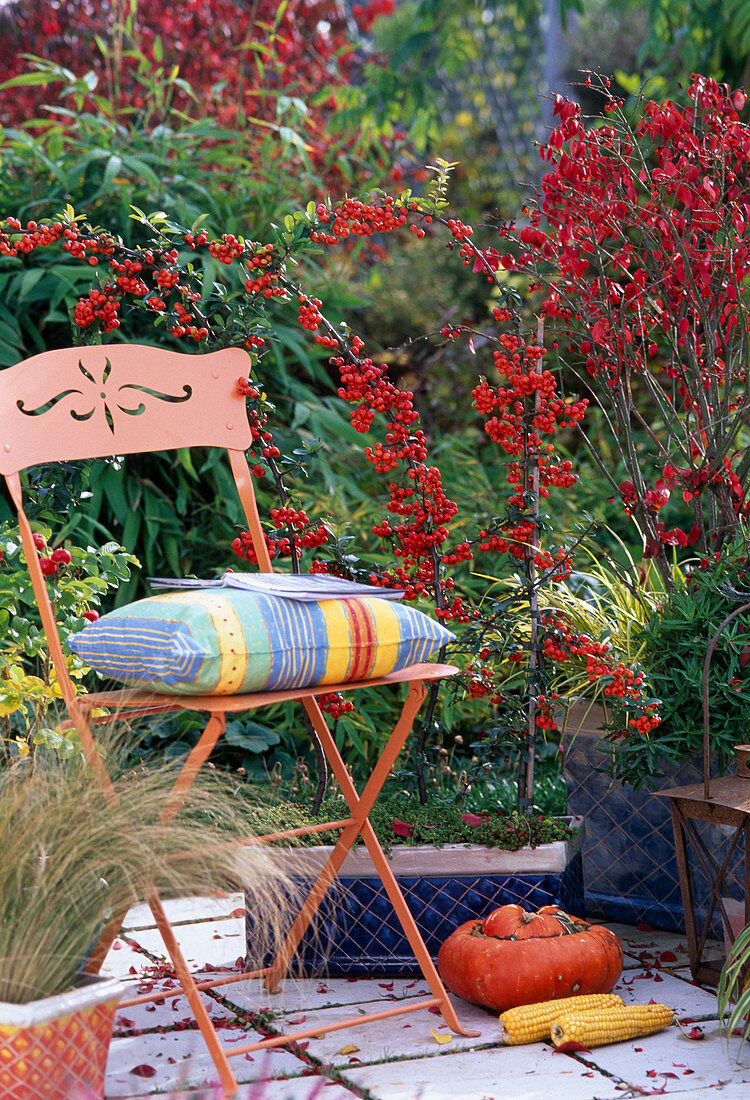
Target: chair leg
[
  {"x": 194, "y": 761},
  {"x": 200, "y": 1012},
  {"x": 412, "y": 933},
  {"x": 196, "y": 758},
  {"x": 109, "y": 934},
  {"x": 360, "y": 807}
]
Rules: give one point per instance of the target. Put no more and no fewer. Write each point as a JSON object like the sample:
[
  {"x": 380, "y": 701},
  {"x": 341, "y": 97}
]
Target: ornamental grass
[{"x": 72, "y": 860}]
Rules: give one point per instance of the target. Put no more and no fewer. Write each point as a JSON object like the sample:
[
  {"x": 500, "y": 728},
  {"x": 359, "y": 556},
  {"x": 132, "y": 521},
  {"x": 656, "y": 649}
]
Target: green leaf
[{"x": 250, "y": 736}]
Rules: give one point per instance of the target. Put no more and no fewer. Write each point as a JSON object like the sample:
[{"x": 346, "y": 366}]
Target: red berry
[
  {"x": 40, "y": 542},
  {"x": 48, "y": 567},
  {"x": 92, "y": 615},
  {"x": 61, "y": 556}
]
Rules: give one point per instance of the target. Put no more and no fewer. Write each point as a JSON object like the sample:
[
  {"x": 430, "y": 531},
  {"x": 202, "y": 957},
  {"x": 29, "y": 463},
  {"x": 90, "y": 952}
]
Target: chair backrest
[
  {"x": 112, "y": 399},
  {"x": 116, "y": 399}
]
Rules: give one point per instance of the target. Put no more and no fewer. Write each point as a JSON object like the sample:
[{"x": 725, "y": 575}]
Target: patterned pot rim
[{"x": 93, "y": 990}]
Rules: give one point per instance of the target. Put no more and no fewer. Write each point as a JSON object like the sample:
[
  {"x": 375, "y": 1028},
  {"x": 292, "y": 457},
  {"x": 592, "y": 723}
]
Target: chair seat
[{"x": 153, "y": 701}]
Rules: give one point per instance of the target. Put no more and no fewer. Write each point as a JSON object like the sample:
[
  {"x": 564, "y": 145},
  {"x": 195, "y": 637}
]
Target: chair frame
[{"x": 75, "y": 403}]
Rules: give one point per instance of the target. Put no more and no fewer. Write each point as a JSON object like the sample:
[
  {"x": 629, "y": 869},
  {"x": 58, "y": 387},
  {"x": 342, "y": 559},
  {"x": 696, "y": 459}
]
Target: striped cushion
[{"x": 229, "y": 641}]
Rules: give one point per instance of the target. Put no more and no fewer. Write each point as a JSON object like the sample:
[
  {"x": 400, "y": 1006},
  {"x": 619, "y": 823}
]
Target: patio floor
[{"x": 157, "y": 1051}]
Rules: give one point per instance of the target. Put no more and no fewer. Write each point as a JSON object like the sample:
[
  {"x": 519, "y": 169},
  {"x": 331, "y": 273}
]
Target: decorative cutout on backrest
[{"x": 119, "y": 399}]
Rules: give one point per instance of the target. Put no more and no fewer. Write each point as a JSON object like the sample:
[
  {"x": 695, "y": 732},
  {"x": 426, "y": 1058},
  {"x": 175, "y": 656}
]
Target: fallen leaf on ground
[
  {"x": 442, "y": 1039},
  {"x": 143, "y": 1071}
]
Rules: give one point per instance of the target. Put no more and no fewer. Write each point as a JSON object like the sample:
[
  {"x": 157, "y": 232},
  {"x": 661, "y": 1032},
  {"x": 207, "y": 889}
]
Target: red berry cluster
[
  {"x": 52, "y": 562},
  {"x": 335, "y": 704},
  {"x": 561, "y": 643}
]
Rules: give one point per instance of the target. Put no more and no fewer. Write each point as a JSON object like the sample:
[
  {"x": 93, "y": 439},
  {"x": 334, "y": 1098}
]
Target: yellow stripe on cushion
[
  {"x": 339, "y": 641},
  {"x": 363, "y": 639},
  {"x": 231, "y": 640},
  {"x": 388, "y": 635}
]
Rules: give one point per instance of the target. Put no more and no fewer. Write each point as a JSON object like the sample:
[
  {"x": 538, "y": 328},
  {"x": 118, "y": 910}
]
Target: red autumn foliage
[
  {"x": 304, "y": 47},
  {"x": 646, "y": 230}
]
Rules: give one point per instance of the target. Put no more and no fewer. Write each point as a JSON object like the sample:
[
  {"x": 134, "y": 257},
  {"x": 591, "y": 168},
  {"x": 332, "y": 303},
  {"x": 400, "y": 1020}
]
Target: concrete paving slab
[
  {"x": 185, "y": 909},
  {"x": 652, "y": 947},
  {"x": 414, "y": 1034},
  {"x": 520, "y": 1073},
  {"x": 303, "y": 994},
  {"x": 139, "y": 1065},
  {"x": 219, "y": 942},
  {"x": 294, "y": 1088},
  {"x": 671, "y": 1062},
  {"x": 125, "y": 961},
  {"x": 687, "y": 1000},
  {"x": 174, "y": 1011}
]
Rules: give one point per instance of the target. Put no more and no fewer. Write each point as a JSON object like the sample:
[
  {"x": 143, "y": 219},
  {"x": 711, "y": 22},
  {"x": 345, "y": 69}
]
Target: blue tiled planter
[
  {"x": 356, "y": 931},
  {"x": 629, "y": 867}
]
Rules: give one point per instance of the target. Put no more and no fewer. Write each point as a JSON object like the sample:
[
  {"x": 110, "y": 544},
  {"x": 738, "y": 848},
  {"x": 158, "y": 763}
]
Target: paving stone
[
  {"x": 472, "y": 1069},
  {"x": 687, "y": 1000},
  {"x": 297, "y": 995},
  {"x": 185, "y": 909},
  {"x": 219, "y": 942},
  {"x": 652, "y": 947},
  {"x": 123, "y": 961},
  {"x": 140, "y": 1064},
  {"x": 667, "y": 1059},
  {"x": 294, "y": 1088},
  {"x": 410, "y": 1034},
  {"x": 521, "y": 1073},
  {"x": 174, "y": 1010}
]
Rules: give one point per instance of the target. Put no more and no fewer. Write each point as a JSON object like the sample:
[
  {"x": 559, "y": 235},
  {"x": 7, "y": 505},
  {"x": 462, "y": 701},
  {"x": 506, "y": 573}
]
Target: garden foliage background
[{"x": 240, "y": 120}]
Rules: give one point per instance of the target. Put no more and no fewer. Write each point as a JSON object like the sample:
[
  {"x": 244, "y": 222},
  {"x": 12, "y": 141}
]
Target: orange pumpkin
[{"x": 516, "y": 957}]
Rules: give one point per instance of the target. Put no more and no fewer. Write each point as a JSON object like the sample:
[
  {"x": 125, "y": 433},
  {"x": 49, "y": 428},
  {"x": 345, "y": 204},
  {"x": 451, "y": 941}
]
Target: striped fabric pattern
[{"x": 229, "y": 641}]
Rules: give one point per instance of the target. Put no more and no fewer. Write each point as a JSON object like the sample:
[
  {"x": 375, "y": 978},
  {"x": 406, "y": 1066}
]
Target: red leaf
[
  {"x": 474, "y": 819},
  {"x": 570, "y": 1048},
  {"x": 643, "y": 927},
  {"x": 696, "y": 1033},
  {"x": 143, "y": 1071},
  {"x": 668, "y": 956},
  {"x": 237, "y": 913},
  {"x": 402, "y": 828}
]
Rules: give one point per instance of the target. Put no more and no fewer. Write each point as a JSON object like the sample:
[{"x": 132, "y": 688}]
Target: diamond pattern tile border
[
  {"x": 629, "y": 867},
  {"x": 356, "y": 931},
  {"x": 63, "y": 1058}
]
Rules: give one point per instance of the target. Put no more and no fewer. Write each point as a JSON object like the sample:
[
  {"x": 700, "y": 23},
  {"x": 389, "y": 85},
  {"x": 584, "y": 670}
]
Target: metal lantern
[{"x": 724, "y": 801}]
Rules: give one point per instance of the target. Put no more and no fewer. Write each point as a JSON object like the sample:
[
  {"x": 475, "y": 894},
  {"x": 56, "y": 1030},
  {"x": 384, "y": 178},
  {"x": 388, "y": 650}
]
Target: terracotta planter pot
[
  {"x": 629, "y": 867},
  {"x": 57, "y": 1047}
]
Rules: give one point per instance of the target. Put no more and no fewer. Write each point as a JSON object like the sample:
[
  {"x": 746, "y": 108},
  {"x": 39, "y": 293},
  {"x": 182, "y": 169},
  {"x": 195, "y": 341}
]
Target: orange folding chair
[{"x": 94, "y": 402}]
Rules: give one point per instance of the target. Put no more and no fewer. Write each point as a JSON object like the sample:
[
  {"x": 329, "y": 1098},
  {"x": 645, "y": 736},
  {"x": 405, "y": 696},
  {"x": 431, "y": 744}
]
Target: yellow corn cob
[
  {"x": 531, "y": 1023},
  {"x": 611, "y": 1025}
]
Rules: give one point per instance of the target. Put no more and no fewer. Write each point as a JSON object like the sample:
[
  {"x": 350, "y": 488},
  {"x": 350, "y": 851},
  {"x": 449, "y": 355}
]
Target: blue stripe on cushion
[
  {"x": 142, "y": 649},
  {"x": 297, "y": 636},
  {"x": 419, "y": 635}
]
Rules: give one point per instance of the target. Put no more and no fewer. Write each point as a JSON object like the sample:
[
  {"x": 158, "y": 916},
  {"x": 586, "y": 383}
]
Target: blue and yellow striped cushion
[{"x": 228, "y": 641}]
